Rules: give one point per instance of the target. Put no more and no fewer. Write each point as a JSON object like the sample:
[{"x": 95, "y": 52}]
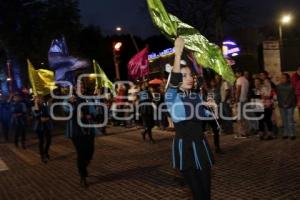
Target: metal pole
[
  {"x": 117, "y": 71},
  {"x": 132, "y": 38},
  {"x": 9, "y": 74},
  {"x": 117, "y": 67},
  {"x": 280, "y": 33},
  {"x": 134, "y": 43}
]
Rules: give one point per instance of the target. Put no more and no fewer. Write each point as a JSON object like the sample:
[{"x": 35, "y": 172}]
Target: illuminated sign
[
  {"x": 166, "y": 52},
  {"x": 230, "y": 49}
]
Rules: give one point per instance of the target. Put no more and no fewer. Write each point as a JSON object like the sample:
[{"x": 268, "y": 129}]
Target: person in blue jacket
[
  {"x": 5, "y": 117},
  {"x": 19, "y": 119},
  {"x": 191, "y": 153},
  {"x": 83, "y": 138},
  {"x": 42, "y": 126}
]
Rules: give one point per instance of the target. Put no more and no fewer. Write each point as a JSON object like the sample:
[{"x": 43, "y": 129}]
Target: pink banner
[{"x": 138, "y": 66}]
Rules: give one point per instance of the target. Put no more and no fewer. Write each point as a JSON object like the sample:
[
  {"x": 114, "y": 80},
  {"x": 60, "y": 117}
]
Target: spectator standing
[{"x": 287, "y": 103}]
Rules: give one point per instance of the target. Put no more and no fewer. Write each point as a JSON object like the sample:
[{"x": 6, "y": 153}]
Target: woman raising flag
[{"x": 190, "y": 151}]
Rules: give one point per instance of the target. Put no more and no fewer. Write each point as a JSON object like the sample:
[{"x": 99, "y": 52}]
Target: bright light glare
[
  {"x": 286, "y": 19},
  {"x": 118, "y": 46}
]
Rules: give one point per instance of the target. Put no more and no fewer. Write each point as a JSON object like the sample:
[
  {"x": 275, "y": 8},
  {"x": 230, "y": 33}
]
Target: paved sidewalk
[{"x": 125, "y": 167}]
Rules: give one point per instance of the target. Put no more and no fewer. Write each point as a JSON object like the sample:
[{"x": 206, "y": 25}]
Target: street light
[
  {"x": 120, "y": 29},
  {"x": 117, "y": 46},
  {"x": 116, "y": 51},
  {"x": 285, "y": 20}
]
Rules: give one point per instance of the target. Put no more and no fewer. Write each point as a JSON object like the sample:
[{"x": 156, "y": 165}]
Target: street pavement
[{"x": 126, "y": 167}]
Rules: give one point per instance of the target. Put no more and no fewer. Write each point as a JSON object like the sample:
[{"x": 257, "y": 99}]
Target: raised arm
[
  {"x": 176, "y": 76},
  {"x": 179, "y": 46}
]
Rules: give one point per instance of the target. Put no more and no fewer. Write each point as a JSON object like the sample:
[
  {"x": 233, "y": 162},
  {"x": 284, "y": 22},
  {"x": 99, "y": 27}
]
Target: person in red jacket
[{"x": 296, "y": 84}]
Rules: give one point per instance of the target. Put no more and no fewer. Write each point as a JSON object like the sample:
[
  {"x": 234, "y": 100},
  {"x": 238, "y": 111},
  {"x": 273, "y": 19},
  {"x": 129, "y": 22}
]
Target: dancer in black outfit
[
  {"x": 42, "y": 126},
  {"x": 190, "y": 150},
  {"x": 83, "y": 138},
  {"x": 19, "y": 119},
  {"x": 146, "y": 111}
]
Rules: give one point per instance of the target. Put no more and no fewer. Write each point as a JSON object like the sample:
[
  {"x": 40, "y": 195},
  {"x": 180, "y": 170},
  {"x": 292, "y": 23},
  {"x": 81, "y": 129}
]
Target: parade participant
[
  {"x": 146, "y": 111},
  {"x": 5, "y": 117},
  {"x": 42, "y": 125},
  {"x": 83, "y": 138},
  {"x": 19, "y": 119},
  {"x": 100, "y": 117},
  {"x": 190, "y": 151}
]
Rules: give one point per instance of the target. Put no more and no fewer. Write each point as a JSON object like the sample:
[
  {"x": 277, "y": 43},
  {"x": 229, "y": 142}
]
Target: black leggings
[
  {"x": 267, "y": 119},
  {"x": 148, "y": 131},
  {"x": 20, "y": 130},
  {"x": 44, "y": 148},
  {"x": 148, "y": 124},
  {"x": 84, "y": 145},
  {"x": 214, "y": 126},
  {"x": 5, "y": 130},
  {"x": 199, "y": 181}
]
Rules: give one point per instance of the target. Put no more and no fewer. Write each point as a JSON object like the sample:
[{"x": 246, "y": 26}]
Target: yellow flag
[
  {"x": 101, "y": 78},
  {"x": 42, "y": 80}
]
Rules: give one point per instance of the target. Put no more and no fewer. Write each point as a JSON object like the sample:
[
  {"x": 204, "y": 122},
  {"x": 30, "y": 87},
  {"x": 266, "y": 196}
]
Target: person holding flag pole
[
  {"x": 42, "y": 81},
  {"x": 80, "y": 127},
  {"x": 102, "y": 88},
  {"x": 191, "y": 153}
]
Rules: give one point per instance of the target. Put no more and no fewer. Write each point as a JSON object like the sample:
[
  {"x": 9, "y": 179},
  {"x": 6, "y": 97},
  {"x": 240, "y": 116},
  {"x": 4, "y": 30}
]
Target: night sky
[{"x": 133, "y": 16}]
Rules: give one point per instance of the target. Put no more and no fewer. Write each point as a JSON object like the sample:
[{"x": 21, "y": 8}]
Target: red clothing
[
  {"x": 296, "y": 84},
  {"x": 268, "y": 99},
  {"x": 120, "y": 98}
]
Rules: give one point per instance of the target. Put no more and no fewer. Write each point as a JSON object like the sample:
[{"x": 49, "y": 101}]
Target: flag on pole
[
  {"x": 138, "y": 66},
  {"x": 198, "y": 69},
  {"x": 62, "y": 63},
  {"x": 101, "y": 78},
  {"x": 41, "y": 80},
  {"x": 206, "y": 54}
]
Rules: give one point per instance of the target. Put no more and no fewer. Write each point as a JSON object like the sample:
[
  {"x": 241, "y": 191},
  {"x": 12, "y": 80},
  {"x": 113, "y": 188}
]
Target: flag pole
[{"x": 134, "y": 43}]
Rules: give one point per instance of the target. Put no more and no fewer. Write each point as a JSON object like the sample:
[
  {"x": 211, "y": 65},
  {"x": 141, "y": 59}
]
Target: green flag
[
  {"x": 101, "y": 78},
  {"x": 206, "y": 54}
]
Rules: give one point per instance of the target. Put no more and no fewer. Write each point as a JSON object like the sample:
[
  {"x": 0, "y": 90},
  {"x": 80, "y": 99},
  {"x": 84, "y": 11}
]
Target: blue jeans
[{"x": 287, "y": 115}]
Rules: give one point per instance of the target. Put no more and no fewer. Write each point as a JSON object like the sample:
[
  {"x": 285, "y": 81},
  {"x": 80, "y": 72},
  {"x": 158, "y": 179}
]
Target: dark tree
[
  {"x": 210, "y": 17},
  {"x": 158, "y": 43},
  {"x": 28, "y": 26},
  {"x": 93, "y": 45}
]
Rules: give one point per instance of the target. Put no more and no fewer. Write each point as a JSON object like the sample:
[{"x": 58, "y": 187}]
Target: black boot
[
  {"x": 219, "y": 151},
  {"x": 44, "y": 159},
  {"x": 144, "y": 134},
  {"x": 83, "y": 182},
  {"x": 150, "y": 136}
]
